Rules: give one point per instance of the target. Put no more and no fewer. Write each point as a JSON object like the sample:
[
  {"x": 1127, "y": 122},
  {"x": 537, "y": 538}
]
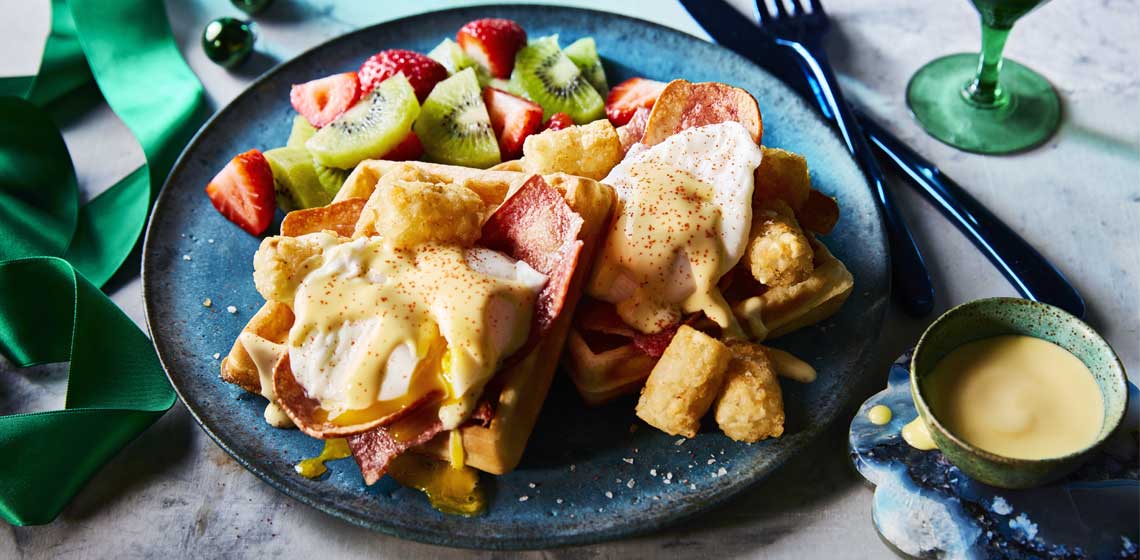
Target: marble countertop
[{"x": 173, "y": 493}]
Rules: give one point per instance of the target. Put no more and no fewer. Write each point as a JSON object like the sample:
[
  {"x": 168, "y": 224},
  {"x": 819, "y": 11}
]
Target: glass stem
[{"x": 984, "y": 90}]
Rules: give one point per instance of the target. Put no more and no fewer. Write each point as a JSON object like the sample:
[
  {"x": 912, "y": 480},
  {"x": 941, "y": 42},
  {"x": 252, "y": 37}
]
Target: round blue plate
[{"x": 587, "y": 474}]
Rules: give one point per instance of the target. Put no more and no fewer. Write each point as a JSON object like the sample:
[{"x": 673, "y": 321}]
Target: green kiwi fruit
[
  {"x": 331, "y": 178},
  {"x": 295, "y": 180},
  {"x": 301, "y": 132},
  {"x": 369, "y": 129},
  {"x": 454, "y": 126},
  {"x": 552, "y": 80},
  {"x": 584, "y": 54},
  {"x": 451, "y": 56}
]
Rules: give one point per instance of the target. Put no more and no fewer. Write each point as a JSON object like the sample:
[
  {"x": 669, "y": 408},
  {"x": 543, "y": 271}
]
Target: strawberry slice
[
  {"x": 322, "y": 101},
  {"x": 408, "y": 149},
  {"x": 627, "y": 97},
  {"x": 558, "y": 121},
  {"x": 243, "y": 192},
  {"x": 513, "y": 119},
  {"x": 423, "y": 72},
  {"x": 493, "y": 43}
]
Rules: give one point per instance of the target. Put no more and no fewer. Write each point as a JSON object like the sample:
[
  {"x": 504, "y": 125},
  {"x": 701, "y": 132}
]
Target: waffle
[{"x": 496, "y": 447}]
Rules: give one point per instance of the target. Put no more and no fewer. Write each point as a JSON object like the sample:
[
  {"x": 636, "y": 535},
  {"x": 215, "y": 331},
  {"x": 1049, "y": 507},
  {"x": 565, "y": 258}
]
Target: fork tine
[
  {"x": 799, "y": 7},
  {"x": 762, "y": 11},
  {"x": 817, "y": 7},
  {"x": 780, "y": 9}
]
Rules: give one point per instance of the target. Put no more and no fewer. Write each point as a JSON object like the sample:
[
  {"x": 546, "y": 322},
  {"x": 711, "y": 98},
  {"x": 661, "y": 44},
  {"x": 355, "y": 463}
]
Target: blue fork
[
  {"x": 1031, "y": 274},
  {"x": 802, "y": 32}
]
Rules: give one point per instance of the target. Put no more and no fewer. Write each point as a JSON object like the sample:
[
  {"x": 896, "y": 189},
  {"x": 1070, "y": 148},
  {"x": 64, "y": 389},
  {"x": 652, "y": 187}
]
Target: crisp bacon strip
[
  {"x": 599, "y": 316},
  {"x": 536, "y": 225},
  {"x": 632, "y": 132},
  {"x": 307, "y": 414},
  {"x": 375, "y": 449}
]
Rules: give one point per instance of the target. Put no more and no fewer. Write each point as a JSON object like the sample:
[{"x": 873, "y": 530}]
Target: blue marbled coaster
[{"x": 924, "y": 506}]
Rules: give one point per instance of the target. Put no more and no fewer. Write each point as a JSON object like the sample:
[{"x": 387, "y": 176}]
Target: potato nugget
[
  {"x": 684, "y": 383},
  {"x": 281, "y": 263},
  {"x": 750, "y": 406},
  {"x": 589, "y": 150},
  {"x": 408, "y": 213},
  {"x": 778, "y": 253},
  {"x": 782, "y": 175}
]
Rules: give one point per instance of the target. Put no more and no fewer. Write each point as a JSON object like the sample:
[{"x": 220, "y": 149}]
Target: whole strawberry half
[
  {"x": 558, "y": 121},
  {"x": 493, "y": 43},
  {"x": 243, "y": 192},
  {"x": 627, "y": 97},
  {"x": 513, "y": 119},
  {"x": 423, "y": 72},
  {"x": 322, "y": 101}
]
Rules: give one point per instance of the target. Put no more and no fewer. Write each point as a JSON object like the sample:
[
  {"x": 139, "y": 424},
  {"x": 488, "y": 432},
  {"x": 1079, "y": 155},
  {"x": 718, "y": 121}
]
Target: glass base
[{"x": 1028, "y": 117}]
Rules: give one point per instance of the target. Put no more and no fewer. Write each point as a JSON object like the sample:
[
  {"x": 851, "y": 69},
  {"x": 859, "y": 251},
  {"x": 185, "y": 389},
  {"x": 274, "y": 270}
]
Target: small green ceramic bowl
[{"x": 1005, "y": 316}]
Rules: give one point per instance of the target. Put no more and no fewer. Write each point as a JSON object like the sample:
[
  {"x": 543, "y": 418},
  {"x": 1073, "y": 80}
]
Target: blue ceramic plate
[{"x": 587, "y": 475}]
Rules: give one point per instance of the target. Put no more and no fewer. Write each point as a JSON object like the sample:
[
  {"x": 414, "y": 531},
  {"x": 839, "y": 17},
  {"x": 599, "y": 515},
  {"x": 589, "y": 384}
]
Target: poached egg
[
  {"x": 683, "y": 217},
  {"x": 379, "y": 328}
]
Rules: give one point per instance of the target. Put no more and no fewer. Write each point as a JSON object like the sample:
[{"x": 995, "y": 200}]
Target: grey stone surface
[{"x": 173, "y": 493}]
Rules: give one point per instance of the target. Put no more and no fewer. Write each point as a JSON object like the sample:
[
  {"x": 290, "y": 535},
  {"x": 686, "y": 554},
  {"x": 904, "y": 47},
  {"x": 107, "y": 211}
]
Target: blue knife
[{"x": 1031, "y": 274}]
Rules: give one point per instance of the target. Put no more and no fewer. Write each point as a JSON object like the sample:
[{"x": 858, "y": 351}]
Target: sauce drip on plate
[{"x": 313, "y": 467}]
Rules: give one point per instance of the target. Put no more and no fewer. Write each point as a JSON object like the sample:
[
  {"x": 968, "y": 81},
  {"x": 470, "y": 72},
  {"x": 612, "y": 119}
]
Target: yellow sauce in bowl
[{"x": 1016, "y": 396}]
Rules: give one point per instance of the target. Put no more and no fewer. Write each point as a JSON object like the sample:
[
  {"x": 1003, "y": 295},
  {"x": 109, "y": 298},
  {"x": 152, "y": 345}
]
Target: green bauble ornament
[
  {"x": 251, "y": 6},
  {"x": 227, "y": 41}
]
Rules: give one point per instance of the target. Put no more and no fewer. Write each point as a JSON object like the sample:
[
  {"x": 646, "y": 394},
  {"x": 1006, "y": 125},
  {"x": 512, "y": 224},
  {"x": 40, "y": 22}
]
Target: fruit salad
[{"x": 471, "y": 101}]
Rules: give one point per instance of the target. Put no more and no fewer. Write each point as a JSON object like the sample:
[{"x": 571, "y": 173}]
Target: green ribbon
[
  {"x": 54, "y": 252},
  {"x": 115, "y": 387}
]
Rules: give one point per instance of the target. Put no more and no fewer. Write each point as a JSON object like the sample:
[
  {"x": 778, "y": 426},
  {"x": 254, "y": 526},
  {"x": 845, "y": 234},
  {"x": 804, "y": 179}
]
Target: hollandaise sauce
[
  {"x": 450, "y": 489},
  {"x": 666, "y": 233},
  {"x": 916, "y": 435},
  {"x": 1016, "y": 396},
  {"x": 313, "y": 467},
  {"x": 374, "y": 325},
  {"x": 879, "y": 415}
]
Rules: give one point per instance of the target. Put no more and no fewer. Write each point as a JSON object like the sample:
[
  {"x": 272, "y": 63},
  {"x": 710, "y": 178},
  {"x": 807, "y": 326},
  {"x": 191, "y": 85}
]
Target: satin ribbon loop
[{"x": 55, "y": 253}]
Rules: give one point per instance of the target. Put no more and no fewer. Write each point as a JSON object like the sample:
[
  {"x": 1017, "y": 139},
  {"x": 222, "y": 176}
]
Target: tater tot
[
  {"x": 282, "y": 262},
  {"x": 589, "y": 150},
  {"x": 750, "y": 406},
  {"x": 782, "y": 175},
  {"x": 779, "y": 254},
  {"x": 684, "y": 383},
  {"x": 408, "y": 213}
]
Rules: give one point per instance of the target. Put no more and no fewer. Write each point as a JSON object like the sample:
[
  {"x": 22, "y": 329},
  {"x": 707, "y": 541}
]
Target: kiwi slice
[
  {"x": 552, "y": 80},
  {"x": 584, "y": 54},
  {"x": 508, "y": 86},
  {"x": 295, "y": 179},
  {"x": 331, "y": 178},
  {"x": 454, "y": 126},
  {"x": 301, "y": 132},
  {"x": 376, "y": 124},
  {"x": 451, "y": 56}
]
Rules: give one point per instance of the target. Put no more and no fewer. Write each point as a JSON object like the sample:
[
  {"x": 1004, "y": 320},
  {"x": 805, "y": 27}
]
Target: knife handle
[
  {"x": 910, "y": 279},
  {"x": 1031, "y": 274}
]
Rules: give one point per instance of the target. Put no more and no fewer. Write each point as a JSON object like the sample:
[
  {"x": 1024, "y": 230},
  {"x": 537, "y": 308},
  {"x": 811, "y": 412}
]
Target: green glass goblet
[{"x": 981, "y": 103}]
